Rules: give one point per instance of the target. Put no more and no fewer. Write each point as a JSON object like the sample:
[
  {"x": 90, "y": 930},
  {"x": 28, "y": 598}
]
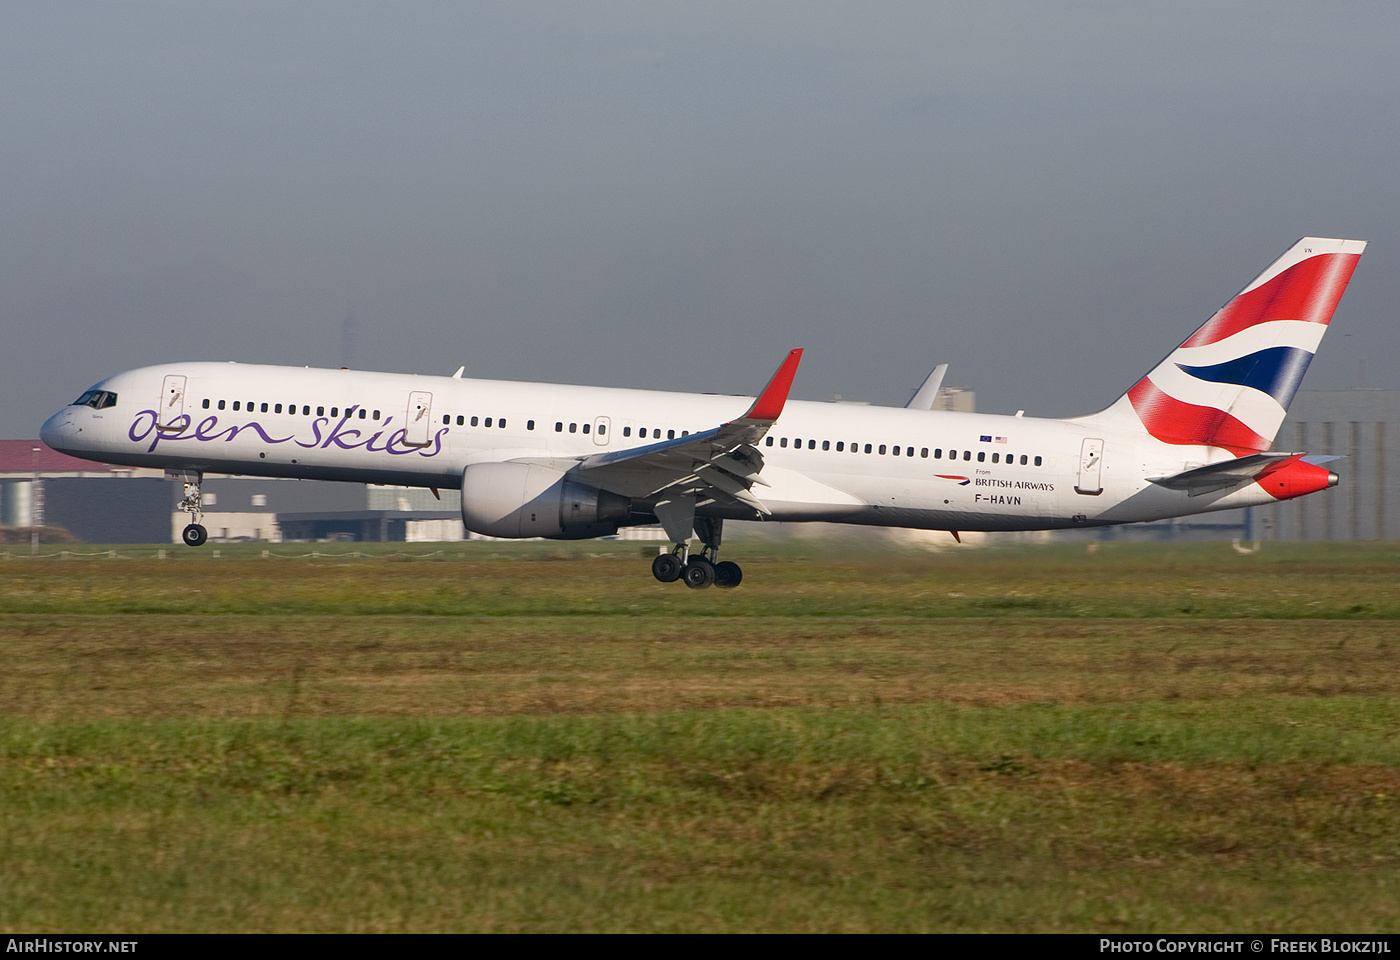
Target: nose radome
[{"x": 56, "y": 430}]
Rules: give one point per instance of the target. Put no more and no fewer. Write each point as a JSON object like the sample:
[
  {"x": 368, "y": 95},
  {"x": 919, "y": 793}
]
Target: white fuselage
[{"x": 822, "y": 461}]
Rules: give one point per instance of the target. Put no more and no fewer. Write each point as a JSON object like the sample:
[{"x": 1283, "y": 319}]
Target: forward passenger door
[{"x": 172, "y": 400}]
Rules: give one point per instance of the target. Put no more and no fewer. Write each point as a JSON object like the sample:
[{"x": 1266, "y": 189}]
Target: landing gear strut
[
  {"x": 194, "y": 534},
  {"x": 698, "y": 570}
]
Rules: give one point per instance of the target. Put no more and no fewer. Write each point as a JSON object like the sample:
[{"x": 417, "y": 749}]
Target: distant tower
[
  {"x": 349, "y": 334},
  {"x": 957, "y": 399}
]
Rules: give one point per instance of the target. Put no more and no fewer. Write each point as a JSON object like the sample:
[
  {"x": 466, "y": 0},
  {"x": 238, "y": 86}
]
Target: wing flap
[{"x": 721, "y": 462}]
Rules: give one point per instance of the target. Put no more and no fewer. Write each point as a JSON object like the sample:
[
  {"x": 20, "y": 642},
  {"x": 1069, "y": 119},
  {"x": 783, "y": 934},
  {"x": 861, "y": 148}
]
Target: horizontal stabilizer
[{"x": 1219, "y": 476}]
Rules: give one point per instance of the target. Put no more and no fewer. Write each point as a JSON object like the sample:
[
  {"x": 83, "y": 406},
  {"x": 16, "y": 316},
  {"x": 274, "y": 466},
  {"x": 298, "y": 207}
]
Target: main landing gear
[
  {"x": 700, "y": 570},
  {"x": 194, "y": 534}
]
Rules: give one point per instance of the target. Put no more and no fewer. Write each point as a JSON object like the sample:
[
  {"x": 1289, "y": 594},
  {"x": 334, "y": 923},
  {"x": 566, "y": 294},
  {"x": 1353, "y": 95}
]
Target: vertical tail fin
[{"x": 1230, "y": 383}]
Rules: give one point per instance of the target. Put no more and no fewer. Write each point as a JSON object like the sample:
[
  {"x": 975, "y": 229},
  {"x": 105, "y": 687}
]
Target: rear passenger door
[{"x": 1090, "y": 468}]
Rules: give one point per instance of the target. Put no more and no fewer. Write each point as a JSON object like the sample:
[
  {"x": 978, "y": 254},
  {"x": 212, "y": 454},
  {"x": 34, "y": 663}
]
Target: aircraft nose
[{"x": 56, "y": 430}]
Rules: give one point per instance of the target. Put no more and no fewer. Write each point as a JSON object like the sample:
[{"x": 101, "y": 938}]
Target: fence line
[{"x": 215, "y": 555}]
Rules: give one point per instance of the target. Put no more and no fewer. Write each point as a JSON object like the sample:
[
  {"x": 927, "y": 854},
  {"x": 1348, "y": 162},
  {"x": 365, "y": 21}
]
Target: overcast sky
[{"x": 1047, "y": 196}]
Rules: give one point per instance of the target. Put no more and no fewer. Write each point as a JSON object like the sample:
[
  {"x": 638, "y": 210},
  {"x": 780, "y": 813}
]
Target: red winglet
[{"x": 769, "y": 405}]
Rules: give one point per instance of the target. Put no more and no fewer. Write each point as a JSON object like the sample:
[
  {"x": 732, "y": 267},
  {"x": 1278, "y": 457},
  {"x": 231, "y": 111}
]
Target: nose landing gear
[{"x": 194, "y": 534}]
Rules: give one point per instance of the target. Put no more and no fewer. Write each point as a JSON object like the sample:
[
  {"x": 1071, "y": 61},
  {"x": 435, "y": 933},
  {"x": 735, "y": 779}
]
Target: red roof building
[{"x": 18, "y": 457}]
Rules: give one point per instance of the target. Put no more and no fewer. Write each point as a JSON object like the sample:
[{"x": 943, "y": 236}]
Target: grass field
[{"x": 540, "y": 737}]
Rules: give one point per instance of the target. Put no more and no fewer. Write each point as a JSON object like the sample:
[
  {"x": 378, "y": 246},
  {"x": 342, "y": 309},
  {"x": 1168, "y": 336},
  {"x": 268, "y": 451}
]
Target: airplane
[{"x": 571, "y": 462}]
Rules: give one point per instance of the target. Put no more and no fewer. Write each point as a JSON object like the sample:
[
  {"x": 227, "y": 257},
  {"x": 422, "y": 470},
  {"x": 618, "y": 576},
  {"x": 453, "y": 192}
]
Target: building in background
[
  {"x": 95, "y": 502},
  {"x": 1355, "y": 425},
  {"x": 955, "y": 400}
]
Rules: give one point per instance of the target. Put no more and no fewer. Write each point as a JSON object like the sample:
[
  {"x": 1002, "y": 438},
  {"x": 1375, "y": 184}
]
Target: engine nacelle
[{"x": 517, "y": 500}]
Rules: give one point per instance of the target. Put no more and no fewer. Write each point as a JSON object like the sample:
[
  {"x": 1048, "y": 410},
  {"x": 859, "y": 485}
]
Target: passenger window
[
  {"x": 262, "y": 408},
  {"x": 376, "y": 415},
  {"x": 797, "y": 444},
  {"x": 924, "y": 453},
  {"x": 1023, "y": 459},
  {"x": 586, "y": 427},
  {"x": 320, "y": 411},
  {"x": 529, "y": 424},
  {"x": 685, "y": 433},
  {"x": 840, "y": 446},
  {"x": 996, "y": 458},
  {"x": 602, "y": 429},
  {"x": 981, "y": 456},
  {"x": 487, "y": 422},
  {"x": 1037, "y": 461},
  {"x": 476, "y": 421},
  {"x": 335, "y": 411},
  {"x": 206, "y": 404},
  {"x": 826, "y": 444},
  {"x": 627, "y": 431},
  {"x": 938, "y": 453},
  {"x": 782, "y": 442},
  {"x": 501, "y": 423},
  {"x": 895, "y": 451},
  {"x": 277, "y": 408},
  {"x": 558, "y": 426},
  {"x": 221, "y": 404},
  {"x": 967, "y": 454},
  {"x": 811, "y": 444},
  {"x": 306, "y": 409},
  {"x": 573, "y": 428},
  {"x": 461, "y": 420},
  {"x": 882, "y": 449},
  {"x": 670, "y": 434},
  {"x": 867, "y": 448},
  {"x": 909, "y": 452},
  {"x": 768, "y": 442},
  {"x": 446, "y": 418},
  {"x": 363, "y": 412}
]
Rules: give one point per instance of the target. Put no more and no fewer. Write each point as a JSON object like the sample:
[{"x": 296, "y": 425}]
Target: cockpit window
[{"x": 97, "y": 399}]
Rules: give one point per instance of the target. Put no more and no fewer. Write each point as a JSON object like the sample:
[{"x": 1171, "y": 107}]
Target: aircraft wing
[
  {"x": 1227, "y": 473},
  {"x": 722, "y": 463}
]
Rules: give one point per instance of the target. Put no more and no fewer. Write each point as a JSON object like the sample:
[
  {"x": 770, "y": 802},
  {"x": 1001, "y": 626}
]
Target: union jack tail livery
[{"x": 1229, "y": 385}]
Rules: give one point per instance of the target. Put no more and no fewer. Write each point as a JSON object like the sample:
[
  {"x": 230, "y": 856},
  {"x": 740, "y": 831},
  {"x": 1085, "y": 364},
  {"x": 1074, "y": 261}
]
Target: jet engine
[{"x": 524, "y": 500}]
